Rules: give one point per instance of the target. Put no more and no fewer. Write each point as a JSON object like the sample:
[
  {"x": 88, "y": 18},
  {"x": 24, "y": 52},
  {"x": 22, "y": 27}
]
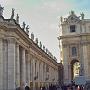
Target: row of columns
[{"x": 17, "y": 67}]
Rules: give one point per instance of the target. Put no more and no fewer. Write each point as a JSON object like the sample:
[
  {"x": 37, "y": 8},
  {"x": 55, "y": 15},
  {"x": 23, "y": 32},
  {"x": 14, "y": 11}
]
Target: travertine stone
[
  {"x": 1, "y": 64},
  {"x": 17, "y": 66},
  {"x": 23, "y": 68},
  {"x": 5, "y": 64},
  {"x": 11, "y": 64}
]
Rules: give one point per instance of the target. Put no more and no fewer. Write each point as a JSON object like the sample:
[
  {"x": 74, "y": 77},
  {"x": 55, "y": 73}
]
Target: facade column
[
  {"x": 85, "y": 57},
  {"x": 11, "y": 64},
  {"x": 23, "y": 69},
  {"x": 28, "y": 68},
  {"x": 41, "y": 72},
  {"x": 81, "y": 60},
  {"x": 65, "y": 59},
  {"x": 1, "y": 64},
  {"x": 5, "y": 64},
  {"x": 17, "y": 66}
]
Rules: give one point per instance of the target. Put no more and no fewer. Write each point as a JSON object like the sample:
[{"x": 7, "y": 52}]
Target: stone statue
[
  {"x": 46, "y": 50},
  {"x": 12, "y": 16},
  {"x": 36, "y": 40},
  {"x": 1, "y": 10},
  {"x": 17, "y": 18},
  {"x": 61, "y": 19},
  {"x": 32, "y": 36},
  {"x": 40, "y": 44},
  {"x": 82, "y": 15},
  {"x": 43, "y": 47},
  {"x": 27, "y": 29},
  {"x": 23, "y": 25},
  {"x": 72, "y": 12}
]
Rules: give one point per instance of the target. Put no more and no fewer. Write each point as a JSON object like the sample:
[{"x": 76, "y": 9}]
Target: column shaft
[
  {"x": 1, "y": 64},
  {"x": 23, "y": 68},
  {"x": 5, "y": 65},
  {"x": 11, "y": 64},
  {"x": 17, "y": 67}
]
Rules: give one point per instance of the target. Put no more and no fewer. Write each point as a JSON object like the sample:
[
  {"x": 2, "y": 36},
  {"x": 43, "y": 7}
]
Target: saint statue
[
  {"x": 1, "y": 10},
  {"x": 12, "y": 16},
  {"x": 27, "y": 27},
  {"x": 24, "y": 25},
  {"x": 32, "y": 36},
  {"x": 43, "y": 47},
  {"x": 82, "y": 15},
  {"x": 17, "y": 18},
  {"x": 40, "y": 44},
  {"x": 61, "y": 19},
  {"x": 36, "y": 40}
]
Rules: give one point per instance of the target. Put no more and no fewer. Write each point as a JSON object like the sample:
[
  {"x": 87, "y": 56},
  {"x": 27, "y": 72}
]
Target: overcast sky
[{"x": 43, "y": 17}]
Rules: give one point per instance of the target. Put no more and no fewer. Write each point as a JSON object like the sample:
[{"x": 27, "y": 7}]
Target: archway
[{"x": 75, "y": 68}]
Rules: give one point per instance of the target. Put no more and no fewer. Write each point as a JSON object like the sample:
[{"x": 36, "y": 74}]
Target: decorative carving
[
  {"x": 1, "y": 10},
  {"x": 12, "y": 16},
  {"x": 27, "y": 29},
  {"x": 17, "y": 18}
]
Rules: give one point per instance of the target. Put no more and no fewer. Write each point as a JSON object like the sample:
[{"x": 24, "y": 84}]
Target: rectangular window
[
  {"x": 74, "y": 51},
  {"x": 72, "y": 28}
]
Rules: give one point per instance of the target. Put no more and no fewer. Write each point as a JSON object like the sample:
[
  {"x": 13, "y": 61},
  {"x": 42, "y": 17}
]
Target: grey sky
[{"x": 43, "y": 17}]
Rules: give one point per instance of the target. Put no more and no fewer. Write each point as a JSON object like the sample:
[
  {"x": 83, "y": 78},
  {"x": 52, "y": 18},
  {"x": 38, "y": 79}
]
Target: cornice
[
  {"x": 12, "y": 26},
  {"x": 40, "y": 52},
  {"x": 73, "y": 36}
]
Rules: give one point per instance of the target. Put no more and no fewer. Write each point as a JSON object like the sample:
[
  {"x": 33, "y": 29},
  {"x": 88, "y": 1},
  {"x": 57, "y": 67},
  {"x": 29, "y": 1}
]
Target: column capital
[{"x": 11, "y": 40}]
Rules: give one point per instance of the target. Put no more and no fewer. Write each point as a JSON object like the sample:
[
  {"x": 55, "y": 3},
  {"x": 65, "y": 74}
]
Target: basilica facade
[
  {"x": 75, "y": 47},
  {"x": 23, "y": 59}
]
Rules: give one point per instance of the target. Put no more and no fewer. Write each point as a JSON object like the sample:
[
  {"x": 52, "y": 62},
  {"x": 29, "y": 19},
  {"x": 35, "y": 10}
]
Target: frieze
[{"x": 84, "y": 43}]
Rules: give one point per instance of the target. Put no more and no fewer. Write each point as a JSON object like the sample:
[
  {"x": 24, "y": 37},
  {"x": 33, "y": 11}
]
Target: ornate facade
[
  {"x": 75, "y": 47},
  {"x": 22, "y": 60}
]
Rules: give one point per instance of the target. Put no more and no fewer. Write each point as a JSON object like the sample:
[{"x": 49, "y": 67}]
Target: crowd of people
[
  {"x": 64, "y": 87},
  {"x": 71, "y": 86}
]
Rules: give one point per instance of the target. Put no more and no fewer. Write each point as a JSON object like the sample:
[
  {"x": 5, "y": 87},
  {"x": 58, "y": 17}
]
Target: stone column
[
  {"x": 11, "y": 64},
  {"x": 5, "y": 65},
  {"x": 81, "y": 60},
  {"x": 42, "y": 71},
  {"x": 17, "y": 66},
  {"x": 1, "y": 64},
  {"x": 23, "y": 69},
  {"x": 65, "y": 53},
  {"x": 28, "y": 68},
  {"x": 85, "y": 58}
]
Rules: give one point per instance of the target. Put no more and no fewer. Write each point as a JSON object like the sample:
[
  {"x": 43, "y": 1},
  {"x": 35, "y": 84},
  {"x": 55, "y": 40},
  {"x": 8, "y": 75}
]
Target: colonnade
[{"x": 19, "y": 68}]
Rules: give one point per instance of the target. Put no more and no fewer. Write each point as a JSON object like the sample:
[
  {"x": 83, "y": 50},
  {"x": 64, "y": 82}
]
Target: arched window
[{"x": 74, "y": 51}]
